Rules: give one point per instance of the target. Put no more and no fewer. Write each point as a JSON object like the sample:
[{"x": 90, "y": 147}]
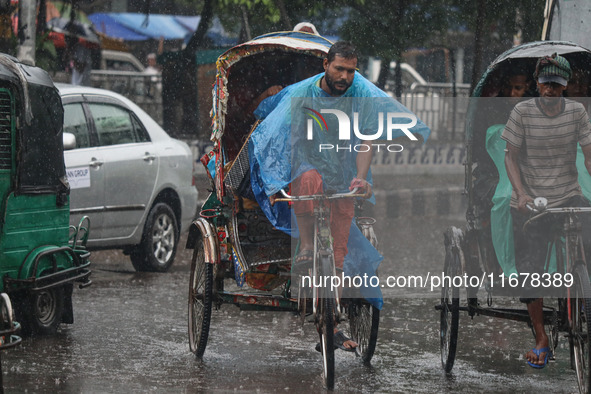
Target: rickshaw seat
[
  {"x": 237, "y": 173},
  {"x": 259, "y": 242},
  {"x": 237, "y": 177},
  {"x": 501, "y": 222}
]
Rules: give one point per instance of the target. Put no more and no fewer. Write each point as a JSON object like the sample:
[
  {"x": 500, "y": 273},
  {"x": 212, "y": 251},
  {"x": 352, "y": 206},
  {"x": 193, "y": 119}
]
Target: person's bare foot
[
  {"x": 303, "y": 261},
  {"x": 538, "y": 357},
  {"x": 343, "y": 342}
]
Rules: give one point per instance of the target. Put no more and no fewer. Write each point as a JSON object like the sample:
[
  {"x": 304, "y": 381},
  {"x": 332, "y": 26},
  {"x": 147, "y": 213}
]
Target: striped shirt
[{"x": 548, "y": 148}]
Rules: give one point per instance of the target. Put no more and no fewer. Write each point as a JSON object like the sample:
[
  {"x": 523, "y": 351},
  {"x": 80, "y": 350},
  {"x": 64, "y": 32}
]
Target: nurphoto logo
[{"x": 390, "y": 123}]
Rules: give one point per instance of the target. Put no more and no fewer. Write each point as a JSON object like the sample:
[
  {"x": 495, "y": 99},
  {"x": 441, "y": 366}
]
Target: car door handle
[
  {"x": 149, "y": 157},
  {"x": 95, "y": 163}
]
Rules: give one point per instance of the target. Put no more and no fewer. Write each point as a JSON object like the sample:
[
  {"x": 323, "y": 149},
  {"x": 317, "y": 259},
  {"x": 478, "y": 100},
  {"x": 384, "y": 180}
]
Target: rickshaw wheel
[
  {"x": 325, "y": 325},
  {"x": 159, "y": 242},
  {"x": 581, "y": 330},
  {"x": 42, "y": 311},
  {"x": 364, "y": 320},
  {"x": 200, "y": 301},
  {"x": 450, "y": 310}
]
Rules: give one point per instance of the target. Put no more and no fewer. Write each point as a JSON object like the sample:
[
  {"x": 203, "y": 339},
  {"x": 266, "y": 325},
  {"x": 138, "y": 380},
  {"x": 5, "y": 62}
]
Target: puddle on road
[
  {"x": 130, "y": 335},
  {"x": 143, "y": 347}
]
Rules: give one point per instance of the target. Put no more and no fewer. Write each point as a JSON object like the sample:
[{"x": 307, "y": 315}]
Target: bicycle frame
[
  {"x": 573, "y": 241},
  {"x": 322, "y": 236}
]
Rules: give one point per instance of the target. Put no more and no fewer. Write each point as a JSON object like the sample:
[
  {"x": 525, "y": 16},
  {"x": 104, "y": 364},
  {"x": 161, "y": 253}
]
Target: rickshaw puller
[
  {"x": 296, "y": 160},
  {"x": 339, "y": 65},
  {"x": 540, "y": 161}
]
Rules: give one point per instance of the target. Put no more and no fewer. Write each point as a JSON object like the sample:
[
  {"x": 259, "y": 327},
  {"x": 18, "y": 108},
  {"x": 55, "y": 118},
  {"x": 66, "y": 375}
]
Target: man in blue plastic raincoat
[{"x": 296, "y": 144}]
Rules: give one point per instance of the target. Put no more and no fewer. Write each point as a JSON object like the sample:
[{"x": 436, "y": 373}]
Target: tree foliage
[
  {"x": 503, "y": 18},
  {"x": 263, "y": 16},
  {"x": 504, "y": 23},
  {"x": 387, "y": 28}
]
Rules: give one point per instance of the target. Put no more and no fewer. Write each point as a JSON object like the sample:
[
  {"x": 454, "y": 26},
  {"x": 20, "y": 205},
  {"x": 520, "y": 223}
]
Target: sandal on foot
[
  {"x": 339, "y": 343},
  {"x": 303, "y": 261},
  {"x": 537, "y": 352}
]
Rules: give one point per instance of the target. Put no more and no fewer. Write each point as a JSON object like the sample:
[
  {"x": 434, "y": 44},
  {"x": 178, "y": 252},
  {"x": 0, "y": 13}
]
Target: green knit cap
[{"x": 554, "y": 65}]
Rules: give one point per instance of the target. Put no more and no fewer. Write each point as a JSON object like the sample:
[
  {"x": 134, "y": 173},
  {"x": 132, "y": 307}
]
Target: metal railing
[
  {"x": 143, "y": 89},
  {"x": 441, "y": 106}
]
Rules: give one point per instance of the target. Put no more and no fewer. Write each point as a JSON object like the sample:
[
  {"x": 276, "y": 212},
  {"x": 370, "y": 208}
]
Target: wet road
[{"x": 130, "y": 335}]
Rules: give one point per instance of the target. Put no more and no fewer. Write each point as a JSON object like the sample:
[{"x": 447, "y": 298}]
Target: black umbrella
[{"x": 73, "y": 29}]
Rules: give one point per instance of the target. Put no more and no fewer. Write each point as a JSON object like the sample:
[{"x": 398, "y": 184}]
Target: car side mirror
[{"x": 69, "y": 141}]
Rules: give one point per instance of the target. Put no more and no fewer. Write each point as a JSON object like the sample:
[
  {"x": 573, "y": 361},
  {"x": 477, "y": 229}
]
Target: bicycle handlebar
[
  {"x": 540, "y": 209},
  {"x": 540, "y": 204},
  {"x": 312, "y": 197},
  {"x": 568, "y": 210}
]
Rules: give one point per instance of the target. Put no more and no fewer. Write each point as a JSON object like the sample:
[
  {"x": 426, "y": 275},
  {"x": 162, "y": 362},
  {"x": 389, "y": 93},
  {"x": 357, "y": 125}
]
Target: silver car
[{"x": 131, "y": 178}]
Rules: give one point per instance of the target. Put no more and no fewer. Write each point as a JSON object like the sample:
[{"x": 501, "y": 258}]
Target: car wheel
[{"x": 157, "y": 249}]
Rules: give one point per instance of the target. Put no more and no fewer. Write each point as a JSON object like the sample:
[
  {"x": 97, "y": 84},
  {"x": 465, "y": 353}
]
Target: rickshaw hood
[
  {"x": 287, "y": 41},
  {"x": 534, "y": 50},
  {"x": 39, "y": 141}
]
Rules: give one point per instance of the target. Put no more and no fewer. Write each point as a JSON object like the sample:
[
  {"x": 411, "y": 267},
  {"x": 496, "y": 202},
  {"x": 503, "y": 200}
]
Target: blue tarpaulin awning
[{"x": 137, "y": 27}]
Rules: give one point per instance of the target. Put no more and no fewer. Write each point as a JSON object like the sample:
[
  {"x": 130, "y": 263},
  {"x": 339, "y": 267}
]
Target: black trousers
[{"x": 532, "y": 246}]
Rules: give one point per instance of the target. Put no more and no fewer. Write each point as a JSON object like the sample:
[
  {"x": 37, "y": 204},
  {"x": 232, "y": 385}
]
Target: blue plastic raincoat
[{"x": 281, "y": 149}]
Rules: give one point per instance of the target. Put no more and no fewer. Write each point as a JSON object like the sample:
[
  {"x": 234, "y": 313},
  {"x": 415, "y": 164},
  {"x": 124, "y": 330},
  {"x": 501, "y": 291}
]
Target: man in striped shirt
[{"x": 542, "y": 135}]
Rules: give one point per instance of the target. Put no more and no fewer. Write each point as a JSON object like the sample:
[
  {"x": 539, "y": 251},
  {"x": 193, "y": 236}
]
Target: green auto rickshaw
[{"x": 41, "y": 255}]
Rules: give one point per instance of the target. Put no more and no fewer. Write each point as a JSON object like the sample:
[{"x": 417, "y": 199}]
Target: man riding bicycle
[
  {"x": 309, "y": 171},
  {"x": 542, "y": 136}
]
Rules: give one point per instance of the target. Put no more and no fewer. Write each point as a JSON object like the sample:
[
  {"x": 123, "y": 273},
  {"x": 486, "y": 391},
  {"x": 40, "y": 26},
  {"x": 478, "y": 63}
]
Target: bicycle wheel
[
  {"x": 325, "y": 324},
  {"x": 450, "y": 311},
  {"x": 580, "y": 304},
  {"x": 200, "y": 301},
  {"x": 364, "y": 320}
]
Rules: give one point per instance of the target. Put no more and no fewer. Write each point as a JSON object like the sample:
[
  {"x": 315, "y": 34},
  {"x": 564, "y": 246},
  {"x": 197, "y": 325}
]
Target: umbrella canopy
[
  {"x": 58, "y": 22},
  {"x": 138, "y": 27},
  {"x": 74, "y": 28},
  {"x": 57, "y": 9}
]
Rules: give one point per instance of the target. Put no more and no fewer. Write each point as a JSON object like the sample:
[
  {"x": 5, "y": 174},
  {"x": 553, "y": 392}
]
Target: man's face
[
  {"x": 339, "y": 74},
  {"x": 550, "y": 91},
  {"x": 516, "y": 86}
]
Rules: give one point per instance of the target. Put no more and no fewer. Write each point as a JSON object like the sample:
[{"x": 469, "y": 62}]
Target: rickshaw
[
  {"x": 233, "y": 238},
  {"x": 41, "y": 255},
  {"x": 484, "y": 248}
]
